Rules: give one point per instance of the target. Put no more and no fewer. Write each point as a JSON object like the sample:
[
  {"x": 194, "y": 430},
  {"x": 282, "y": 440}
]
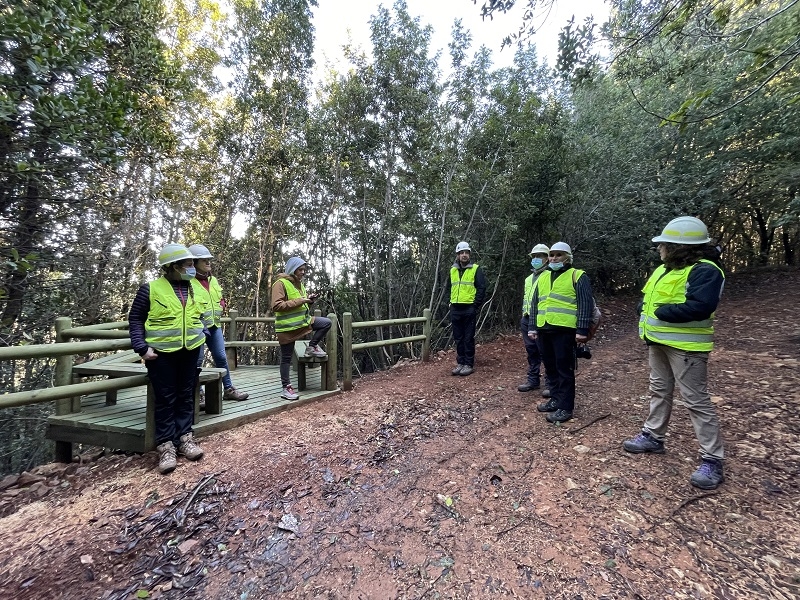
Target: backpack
[{"x": 597, "y": 316}]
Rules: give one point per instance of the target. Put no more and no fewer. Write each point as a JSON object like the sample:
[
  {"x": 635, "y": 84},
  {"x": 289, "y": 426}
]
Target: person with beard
[
  {"x": 677, "y": 324},
  {"x": 467, "y": 289}
]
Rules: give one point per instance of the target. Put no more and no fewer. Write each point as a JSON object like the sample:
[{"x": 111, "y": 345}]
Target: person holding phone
[{"x": 293, "y": 319}]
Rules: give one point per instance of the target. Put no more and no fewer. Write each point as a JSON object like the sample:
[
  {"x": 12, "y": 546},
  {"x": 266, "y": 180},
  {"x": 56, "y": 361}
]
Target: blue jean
[
  {"x": 319, "y": 328},
  {"x": 216, "y": 345}
]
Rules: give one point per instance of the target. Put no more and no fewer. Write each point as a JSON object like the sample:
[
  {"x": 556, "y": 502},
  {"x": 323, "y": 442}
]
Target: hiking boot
[
  {"x": 545, "y": 393},
  {"x": 550, "y": 406},
  {"x": 233, "y": 394},
  {"x": 457, "y": 370},
  {"x": 709, "y": 475},
  {"x": 644, "y": 442},
  {"x": 189, "y": 448},
  {"x": 560, "y": 416},
  {"x": 466, "y": 370},
  {"x": 167, "y": 461},
  {"x": 288, "y": 393},
  {"x": 315, "y": 351},
  {"x": 202, "y": 403},
  {"x": 528, "y": 386}
]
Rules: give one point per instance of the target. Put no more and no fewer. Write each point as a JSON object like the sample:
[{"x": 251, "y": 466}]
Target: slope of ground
[{"x": 418, "y": 484}]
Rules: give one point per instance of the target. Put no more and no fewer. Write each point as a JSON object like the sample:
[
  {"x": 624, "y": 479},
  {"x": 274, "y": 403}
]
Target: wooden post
[
  {"x": 426, "y": 331},
  {"x": 63, "y": 376},
  {"x": 332, "y": 347},
  {"x": 347, "y": 351},
  {"x": 233, "y": 335}
]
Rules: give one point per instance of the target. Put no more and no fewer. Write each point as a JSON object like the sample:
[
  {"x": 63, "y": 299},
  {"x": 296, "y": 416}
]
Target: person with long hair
[{"x": 677, "y": 324}]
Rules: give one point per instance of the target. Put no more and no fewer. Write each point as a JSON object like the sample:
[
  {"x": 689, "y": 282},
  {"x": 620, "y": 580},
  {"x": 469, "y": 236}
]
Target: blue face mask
[
  {"x": 557, "y": 266},
  {"x": 189, "y": 274},
  {"x": 537, "y": 263}
]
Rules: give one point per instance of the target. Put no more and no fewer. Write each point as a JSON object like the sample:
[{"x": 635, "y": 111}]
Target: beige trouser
[{"x": 690, "y": 370}]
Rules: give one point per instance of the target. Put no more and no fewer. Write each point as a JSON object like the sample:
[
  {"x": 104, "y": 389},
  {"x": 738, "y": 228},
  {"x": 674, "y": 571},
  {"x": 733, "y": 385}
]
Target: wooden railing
[
  {"x": 112, "y": 337},
  {"x": 348, "y": 347}
]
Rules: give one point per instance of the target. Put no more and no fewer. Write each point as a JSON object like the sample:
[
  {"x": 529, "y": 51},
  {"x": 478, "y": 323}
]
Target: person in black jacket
[
  {"x": 467, "y": 290},
  {"x": 560, "y": 315},
  {"x": 677, "y": 324}
]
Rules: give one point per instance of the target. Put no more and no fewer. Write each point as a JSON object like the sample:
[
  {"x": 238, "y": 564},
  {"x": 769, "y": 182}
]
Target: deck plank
[{"x": 122, "y": 426}]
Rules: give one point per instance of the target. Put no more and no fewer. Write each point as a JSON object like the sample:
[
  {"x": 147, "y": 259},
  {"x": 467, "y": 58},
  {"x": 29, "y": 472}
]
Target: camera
[{"x": 583, "y": 352}]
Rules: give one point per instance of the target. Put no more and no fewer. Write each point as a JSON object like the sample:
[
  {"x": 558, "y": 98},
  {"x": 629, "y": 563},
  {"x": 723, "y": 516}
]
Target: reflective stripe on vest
[
  {"x": 462, "y": 286},
  {"x": 527, "y": 298},
  {"x": 172, "y": 325},
  {"x": 558, "y": 305},
  {"x": 669, "y": 287},
  {"x": 297, "y": 317},
  {"x": 212, "y": 298}
]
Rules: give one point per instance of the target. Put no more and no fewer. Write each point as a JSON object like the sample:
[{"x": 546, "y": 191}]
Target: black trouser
[
  {"x": 532, "y": 349},
  {"x": 558, "y": 351},
  {"x": 463, "y": 318},
  {"x": 173, "y": 376},
  {"x": 319, "y": 328}
]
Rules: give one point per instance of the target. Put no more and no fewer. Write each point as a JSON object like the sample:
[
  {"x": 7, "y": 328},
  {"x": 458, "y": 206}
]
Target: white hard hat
[
  {"x": 200, "y": 251},
  {"x": 173, "y": 253},
  {"x": 561, "y": 247},
  {"x": 540, "y": 249},
  {"x": 461, "y": 246},
  {"x": 684, "y": 230}
]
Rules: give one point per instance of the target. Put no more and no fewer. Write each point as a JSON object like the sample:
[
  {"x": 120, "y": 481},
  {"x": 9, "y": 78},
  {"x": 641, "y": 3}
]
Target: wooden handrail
[
  {"x": 347, "y": 335},
  {"x": 70, "y": 390}
]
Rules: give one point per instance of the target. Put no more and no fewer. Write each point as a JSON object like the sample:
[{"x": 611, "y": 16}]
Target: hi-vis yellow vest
[
  {"x": 558, "y": 305},
  {"x": 211, "y": 298},
  {"x": 297, "y": 317},
  {"x": 170, "y": 325},
  {"x": 527, "y": 297},
  {"x": 669, "y": 287},
  {"x": 462, "y": 290}
]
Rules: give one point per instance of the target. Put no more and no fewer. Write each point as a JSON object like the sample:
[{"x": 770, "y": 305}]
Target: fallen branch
[
  {"x": 513, "y": 527},
  {"x": 689, "y": 501},
  {"x": 592, "y": 422},
  {"x": 203, "y": 482}
]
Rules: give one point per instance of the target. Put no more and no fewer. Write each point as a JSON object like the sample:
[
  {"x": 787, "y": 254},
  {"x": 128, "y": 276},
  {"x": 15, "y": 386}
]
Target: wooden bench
[
  {"x": 300, "y": 361},
  {"x": 127, "y": 363}
]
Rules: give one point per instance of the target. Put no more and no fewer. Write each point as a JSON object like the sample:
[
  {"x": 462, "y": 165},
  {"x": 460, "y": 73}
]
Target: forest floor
[{"x": 418, "y": 484}]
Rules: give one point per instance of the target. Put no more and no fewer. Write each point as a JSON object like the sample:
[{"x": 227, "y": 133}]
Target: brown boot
[
  {"x": 166, "y": 458},
  {"x": 188, "y": 448},
  {"x": 233, "y": 394}
]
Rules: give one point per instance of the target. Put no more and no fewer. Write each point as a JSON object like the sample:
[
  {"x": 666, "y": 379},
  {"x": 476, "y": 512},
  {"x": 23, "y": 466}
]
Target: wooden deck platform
[{"x": 122, "y": 426}]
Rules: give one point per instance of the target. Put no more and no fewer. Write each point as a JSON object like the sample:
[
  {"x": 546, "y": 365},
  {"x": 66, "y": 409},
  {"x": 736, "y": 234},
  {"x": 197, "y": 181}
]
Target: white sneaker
[
  {"x": 288, "y": 393},
  {"x": 315, "y": 351}
]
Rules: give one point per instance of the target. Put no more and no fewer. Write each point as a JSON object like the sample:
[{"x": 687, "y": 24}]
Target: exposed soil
[{"x": 418, "y": 485}]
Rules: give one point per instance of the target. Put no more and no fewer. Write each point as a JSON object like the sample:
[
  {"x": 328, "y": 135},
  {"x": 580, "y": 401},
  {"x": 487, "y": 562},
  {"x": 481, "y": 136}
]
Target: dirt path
[{"x": 422, "y": 485}]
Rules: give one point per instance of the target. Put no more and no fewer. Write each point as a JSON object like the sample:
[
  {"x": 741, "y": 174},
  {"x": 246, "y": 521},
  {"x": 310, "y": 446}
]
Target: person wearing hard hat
[
  {"x": 560, "y": 316},
  {"x": 538, "y": 265},
  {"x": 677, "y": 324},
  {"x": 167, "y": 330},
  {"x": 467, "y": 289},
  {"x": 293, "y": 319},
  {"x": 208, "y": 288}
]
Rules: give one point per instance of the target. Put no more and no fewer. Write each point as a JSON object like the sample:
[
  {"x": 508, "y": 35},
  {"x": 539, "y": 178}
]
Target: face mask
[
  {"x": 537, "y": 263},
  {"x": 189, "y": 274},
  {"x": 557, "y": 266}
]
